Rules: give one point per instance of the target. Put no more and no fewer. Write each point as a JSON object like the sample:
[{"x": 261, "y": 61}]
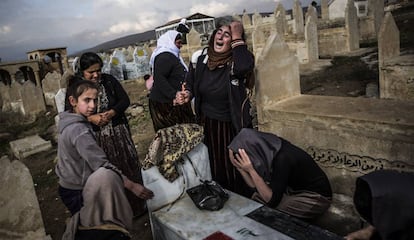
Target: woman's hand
[
  {"x": 97, "y": 119},
  {"x": 107, "y": 116},
  {"x": 181, "y": 97},
  {"x": 138, "y": 189},
  {"x": 236, "y": 28},
  {"x": 241, "y": 160}
]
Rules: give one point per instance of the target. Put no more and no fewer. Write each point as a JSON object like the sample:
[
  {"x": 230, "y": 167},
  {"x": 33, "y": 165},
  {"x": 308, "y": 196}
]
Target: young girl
[{"x": 90, "y": 187}]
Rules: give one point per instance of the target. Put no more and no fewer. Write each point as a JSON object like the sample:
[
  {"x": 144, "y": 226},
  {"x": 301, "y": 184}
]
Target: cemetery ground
[{"x": 347, "y": 76}]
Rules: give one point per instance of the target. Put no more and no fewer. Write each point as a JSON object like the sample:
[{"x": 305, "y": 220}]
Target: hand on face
[{"x": 241, "y": 160}]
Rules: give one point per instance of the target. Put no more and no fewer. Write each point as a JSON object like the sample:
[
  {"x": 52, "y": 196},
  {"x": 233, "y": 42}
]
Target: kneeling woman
[{"x": 283, "y": 176}]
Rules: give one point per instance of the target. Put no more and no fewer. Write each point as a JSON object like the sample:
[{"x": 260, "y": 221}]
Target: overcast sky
[{"x": 27, "y": 25}]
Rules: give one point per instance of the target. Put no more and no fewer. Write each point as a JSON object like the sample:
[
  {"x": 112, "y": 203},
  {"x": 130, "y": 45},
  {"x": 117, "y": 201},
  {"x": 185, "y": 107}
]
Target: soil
[{"x": 340, "y": 76}]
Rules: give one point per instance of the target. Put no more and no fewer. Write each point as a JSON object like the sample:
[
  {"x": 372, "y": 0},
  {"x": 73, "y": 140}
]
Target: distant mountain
[{"x": 120, "y": 42}]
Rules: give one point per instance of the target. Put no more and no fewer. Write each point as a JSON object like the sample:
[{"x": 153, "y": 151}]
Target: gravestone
[
  {"x": 116, "y": 65},
  {"x": 5, "y": 97},
  {"x": 32, "y": 99},
  {"x": 298, "y": 25},
  {"x": 141, "y": 61},
  {"x": 311, "y": 13},
  {"x": 311, "y": 38},
  {"x": 246, "y": 19},
  {"x": 20, "y": 216},
  {"x": 325, "y": 9},
  {"x": 27, "y": 146},
  {"x": 193, "y": 39},
  {"x": 351, "y": 25},
  {"x": 16, "y": 98},
  {"x": 388, "y": 40},
  {"x": 395, "y": 71},
  {"x": 278, "y": 77},
  {"x": 51, "y": 85},
  {"x": 280, "y": 15},
  {"x": 60, "y": 100}
]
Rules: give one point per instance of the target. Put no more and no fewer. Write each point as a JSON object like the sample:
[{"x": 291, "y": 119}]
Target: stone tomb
[{"x": 348, "y": 137}]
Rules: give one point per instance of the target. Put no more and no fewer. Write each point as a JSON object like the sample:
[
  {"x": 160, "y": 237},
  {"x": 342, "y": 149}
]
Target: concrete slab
[{"x": 25, "y": 147}]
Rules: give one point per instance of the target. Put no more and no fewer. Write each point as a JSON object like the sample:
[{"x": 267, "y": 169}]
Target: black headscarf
[
  {"x": 385, "y": 198},
  {"x": 261, "y": 147}
]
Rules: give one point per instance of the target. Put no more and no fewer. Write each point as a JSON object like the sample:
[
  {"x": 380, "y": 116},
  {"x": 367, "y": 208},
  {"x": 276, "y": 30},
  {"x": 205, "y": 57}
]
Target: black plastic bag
[{"x": 209, "y": 195}]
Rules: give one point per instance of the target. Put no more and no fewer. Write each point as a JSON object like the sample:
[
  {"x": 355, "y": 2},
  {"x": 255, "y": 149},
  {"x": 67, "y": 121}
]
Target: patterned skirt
[
  {"x": 117, "y": 143},
  {"x": 166, "y": 115},
  {"x": 217, "y": 136}
]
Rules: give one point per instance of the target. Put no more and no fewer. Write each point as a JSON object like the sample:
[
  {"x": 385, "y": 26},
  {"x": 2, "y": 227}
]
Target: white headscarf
[{"x": 166, "y": 43}]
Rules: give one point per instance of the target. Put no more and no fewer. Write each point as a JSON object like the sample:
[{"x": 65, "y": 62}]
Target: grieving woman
[{"x": 282, "y": 175}]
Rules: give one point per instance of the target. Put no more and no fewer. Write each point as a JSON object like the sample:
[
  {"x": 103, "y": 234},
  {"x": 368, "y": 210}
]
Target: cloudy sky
[{"x": 27, "y": 25}]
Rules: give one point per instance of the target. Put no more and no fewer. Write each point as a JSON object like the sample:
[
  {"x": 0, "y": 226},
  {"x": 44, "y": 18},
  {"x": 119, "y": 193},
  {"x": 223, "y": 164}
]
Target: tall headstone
[
  {"x": 246, "y": 19},
  {"x": 51, "y": 85},
  {"x": 311, "y": 38},
  {"x": 259, "y": 40},
  {"x": 311, "y": 13},
  {"x": 325, "y": 9},
  {"x": 280, "y": 15},
  {"x": 20, "y": 216},
  {"x": 277, "y": 74},
  {"x": 256, "y": 19},
  {"x": 5, "y": 97},
  {"x": 388, "y": 47},
  {"x": 388, "y": 39},
  {"x": 32, "y": 98},
  {"x": 376, "y": 11},
  {"x": 298, "y": 26},
  {"x": 16, "y": 97},
  {"x": 351, "y": 25}
]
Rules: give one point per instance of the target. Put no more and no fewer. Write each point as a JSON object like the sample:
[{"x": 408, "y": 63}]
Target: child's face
[{"x": 86, "y": 103}]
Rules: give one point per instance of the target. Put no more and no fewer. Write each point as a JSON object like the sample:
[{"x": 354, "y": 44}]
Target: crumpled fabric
[{"x": 169, "y": 145}]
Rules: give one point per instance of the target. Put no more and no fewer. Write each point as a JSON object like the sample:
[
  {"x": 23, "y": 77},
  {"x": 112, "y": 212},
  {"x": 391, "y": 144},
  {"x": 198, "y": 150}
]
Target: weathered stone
[
  {"x": 25, "y": 147},
  {"x": 20, "y": 216},
  {"x": 32, "y": 99}
]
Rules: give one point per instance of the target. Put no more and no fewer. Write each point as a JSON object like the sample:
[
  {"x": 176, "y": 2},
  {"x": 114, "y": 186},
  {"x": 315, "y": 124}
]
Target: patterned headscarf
[{"x": 169, "y": 145}]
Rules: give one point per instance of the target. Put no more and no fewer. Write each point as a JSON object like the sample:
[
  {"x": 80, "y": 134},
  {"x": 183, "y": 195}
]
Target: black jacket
[
  {"x": 169, "y": 74},
  {"x": 243, "y": 63}
]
